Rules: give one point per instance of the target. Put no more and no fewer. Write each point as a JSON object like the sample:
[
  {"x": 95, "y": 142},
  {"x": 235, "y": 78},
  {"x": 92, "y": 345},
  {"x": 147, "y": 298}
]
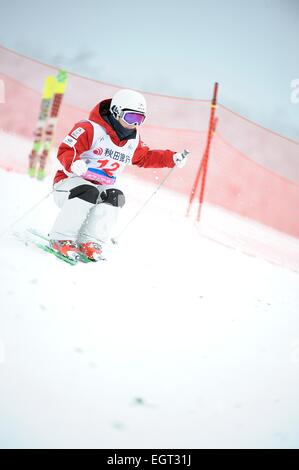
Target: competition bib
[
  {"x": 106, "y": 160},
  {"x": 99, "y": 176}
]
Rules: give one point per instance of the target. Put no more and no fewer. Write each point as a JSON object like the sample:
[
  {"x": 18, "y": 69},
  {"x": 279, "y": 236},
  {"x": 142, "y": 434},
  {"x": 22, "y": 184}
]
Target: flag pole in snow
[
  {"x": 202, "y": 170},
  {"x": 204, "y": 177}
]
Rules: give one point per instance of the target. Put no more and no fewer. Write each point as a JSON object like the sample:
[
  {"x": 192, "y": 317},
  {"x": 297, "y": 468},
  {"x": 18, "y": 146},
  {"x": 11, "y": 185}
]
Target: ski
[
  {"x": 44, "y": 238},
  {"x": 42, "y": 241},
  {"x": 60, "y": 86},
  {"x": 48, "y": 91},
  {"x": 46, "y": 248}
]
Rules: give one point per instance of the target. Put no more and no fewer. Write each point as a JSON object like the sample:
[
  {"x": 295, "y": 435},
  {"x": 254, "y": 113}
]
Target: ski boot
[
  {"x": 91, "y": 250},
  {"x": 67, "y": 248}
]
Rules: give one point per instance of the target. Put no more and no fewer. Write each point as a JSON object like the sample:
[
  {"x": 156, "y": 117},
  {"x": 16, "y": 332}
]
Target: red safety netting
[{"x": 252, "y": 171}]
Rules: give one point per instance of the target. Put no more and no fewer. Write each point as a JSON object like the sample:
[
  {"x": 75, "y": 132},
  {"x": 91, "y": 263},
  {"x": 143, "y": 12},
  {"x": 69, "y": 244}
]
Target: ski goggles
[{"x": 133, "y": 118}]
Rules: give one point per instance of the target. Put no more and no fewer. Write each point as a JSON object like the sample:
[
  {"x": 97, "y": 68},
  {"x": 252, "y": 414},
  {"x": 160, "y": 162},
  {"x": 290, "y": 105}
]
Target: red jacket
[{"x": 143, "y": 156}]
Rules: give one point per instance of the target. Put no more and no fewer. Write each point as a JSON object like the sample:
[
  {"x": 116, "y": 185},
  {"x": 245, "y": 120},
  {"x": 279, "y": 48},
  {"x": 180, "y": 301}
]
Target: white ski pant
[{"x": 80, "y": 220}]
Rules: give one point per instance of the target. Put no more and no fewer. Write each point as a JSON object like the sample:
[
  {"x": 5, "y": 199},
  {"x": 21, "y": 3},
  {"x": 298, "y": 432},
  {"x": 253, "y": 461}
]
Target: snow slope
[{"x": 175, "y": 342}]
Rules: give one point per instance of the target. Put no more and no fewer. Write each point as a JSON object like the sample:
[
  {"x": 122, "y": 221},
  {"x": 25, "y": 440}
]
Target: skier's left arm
[{"x": 147, "y": 158}]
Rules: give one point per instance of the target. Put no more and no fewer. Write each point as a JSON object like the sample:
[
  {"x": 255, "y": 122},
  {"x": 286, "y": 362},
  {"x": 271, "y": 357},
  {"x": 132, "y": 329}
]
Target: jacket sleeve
[
  {"x": 78, "y": 140},
  {"x": 147, "y": 158}
]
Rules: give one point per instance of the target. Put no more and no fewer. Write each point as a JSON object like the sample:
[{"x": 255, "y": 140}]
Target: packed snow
[{"x": 175, "y": 341}]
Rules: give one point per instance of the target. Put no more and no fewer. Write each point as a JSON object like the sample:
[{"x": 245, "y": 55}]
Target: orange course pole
[
  {"x": 212, "y": 126},
  {"x": 201, "y": 166},
  {"x": 194, "y": 187}
]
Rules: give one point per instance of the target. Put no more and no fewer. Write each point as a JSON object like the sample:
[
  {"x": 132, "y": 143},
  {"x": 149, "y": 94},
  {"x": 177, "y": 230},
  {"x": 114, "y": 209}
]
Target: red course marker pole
[
  {"x": 212, "y": 127},
  {"x": 203, "y": 162},
  {"x": 194, "y": 187}
]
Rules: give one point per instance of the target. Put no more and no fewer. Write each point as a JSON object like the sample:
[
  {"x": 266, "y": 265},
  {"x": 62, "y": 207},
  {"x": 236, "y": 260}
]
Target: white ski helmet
[{"x": 127, "y": 100}]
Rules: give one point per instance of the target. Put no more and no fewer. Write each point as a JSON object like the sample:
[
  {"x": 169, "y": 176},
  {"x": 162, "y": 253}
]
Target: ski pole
[
  {"x": 115, "y": 239},
  {"x": 7, "y": 229}
]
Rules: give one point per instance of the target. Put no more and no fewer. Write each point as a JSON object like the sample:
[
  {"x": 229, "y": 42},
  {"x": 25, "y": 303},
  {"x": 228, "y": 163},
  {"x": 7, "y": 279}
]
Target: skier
[{"x": 93, "y": 155}]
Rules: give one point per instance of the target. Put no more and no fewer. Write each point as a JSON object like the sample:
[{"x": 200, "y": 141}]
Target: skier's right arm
[{"x": 78, "y": 140}]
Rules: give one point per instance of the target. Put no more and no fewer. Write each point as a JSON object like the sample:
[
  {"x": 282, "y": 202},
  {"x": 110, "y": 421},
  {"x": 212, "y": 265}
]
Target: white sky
[{"x": 172, "y": 47}]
